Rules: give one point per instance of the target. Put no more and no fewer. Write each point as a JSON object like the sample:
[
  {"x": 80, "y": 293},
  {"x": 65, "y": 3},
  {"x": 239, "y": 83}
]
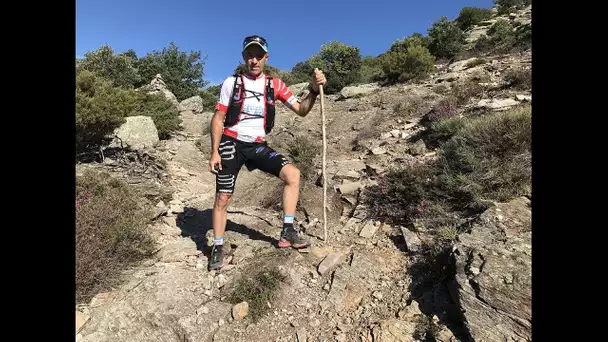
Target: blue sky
[{"x": 295, "y": 30}]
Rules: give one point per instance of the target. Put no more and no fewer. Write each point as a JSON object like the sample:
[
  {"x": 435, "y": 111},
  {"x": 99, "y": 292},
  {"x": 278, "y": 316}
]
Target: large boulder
[
  {"x": 137, "y": 133},
  {"x": 494, "y": 273},
  {"x": 193, "y": 104}
]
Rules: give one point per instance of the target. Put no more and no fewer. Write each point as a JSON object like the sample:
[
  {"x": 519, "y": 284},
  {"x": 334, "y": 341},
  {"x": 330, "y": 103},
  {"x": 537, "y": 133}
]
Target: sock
[
  {"x": 287, "y": 222},
  {"x": 218, "y": 241}
]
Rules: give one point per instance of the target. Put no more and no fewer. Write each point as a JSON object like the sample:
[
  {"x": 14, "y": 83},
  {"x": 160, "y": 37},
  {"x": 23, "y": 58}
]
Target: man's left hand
[{"x": 318, "y": 79}]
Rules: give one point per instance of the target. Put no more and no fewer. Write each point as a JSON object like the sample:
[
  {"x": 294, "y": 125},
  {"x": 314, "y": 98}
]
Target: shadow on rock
[
  {"x": 196, "y": 224},
  {"x": 432, "y": 272}
]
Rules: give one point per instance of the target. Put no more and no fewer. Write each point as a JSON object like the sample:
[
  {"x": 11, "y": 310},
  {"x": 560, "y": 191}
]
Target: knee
[
  {"x": 293, "y": 176},
  {"x": 222, "y": 200}
]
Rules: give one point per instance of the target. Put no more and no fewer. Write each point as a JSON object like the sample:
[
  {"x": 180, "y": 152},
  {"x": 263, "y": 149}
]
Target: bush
[
  {"x": 523, "y": 36},
  {"x": 502, "y": 36},
  {"x": 341, "y": 64},
  {"x": 487, "y": 158},
  {"x": 164, "y": 114},
  {"x": 518, "y": 78},
  {"x": 120, "y": 70},
  {"x": 506, "y": 6},
  {"x": 445, "y": 108},
  {"x": 301, "y": 72},
  {"x": 447, "y": 39},
  {"x": 101, "y": 108},
  {"x": 209, "y": 99},
  {"x": 302, "y": 152},
  {"x": 182, "y": 72},
  {"x": 257, "y": 291},
  {"x": 470, "y": 16},
  {"x": 415, "y": 39},
  {"x": 400, "y": 66},
  {"x": 371, "y": 70},
  {"x": 110, "y": 232}
]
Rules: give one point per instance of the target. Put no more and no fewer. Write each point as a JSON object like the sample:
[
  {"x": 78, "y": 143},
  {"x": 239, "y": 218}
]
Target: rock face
[
  {"x": 194, "y": 104},
  {"x": 353, "y": 91},
  {"x": 137, "y": 133},
  {"x": 494, "y": 273},
  {"x": 158, "y": 85},
  {"x": 161, "y": 304}
]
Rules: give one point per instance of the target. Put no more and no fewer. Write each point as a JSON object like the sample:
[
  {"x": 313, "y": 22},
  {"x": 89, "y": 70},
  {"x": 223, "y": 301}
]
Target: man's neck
[{"x": 250, "y": 76}]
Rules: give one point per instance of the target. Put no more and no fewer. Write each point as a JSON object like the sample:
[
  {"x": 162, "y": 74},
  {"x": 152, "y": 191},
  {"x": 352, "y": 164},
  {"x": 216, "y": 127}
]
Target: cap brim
[{"x": 256, "y": 43}]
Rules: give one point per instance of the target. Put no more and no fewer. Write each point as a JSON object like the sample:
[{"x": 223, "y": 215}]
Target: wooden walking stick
[{"x": 324, "y": 175}]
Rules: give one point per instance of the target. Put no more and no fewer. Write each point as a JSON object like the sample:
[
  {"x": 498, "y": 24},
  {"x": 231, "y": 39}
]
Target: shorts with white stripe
[{"x": 235, "y": 154}]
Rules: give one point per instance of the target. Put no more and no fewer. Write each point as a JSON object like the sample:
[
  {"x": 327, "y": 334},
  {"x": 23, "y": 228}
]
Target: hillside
[{"x": 429, "y": 218}]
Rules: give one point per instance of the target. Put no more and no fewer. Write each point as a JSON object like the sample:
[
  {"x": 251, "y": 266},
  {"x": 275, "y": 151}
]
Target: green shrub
[
  {"x": 371, "y": 70},
  {"x": 502, "y": 36},
  {"x": 507, "y": 6},
  {"x": 301, "y": 72},
  {"x": 487, "y": 158},
  {"x": 209, "y": 99},
  {"x": 415, "y": 63},
  {"x": 118, "y": 69},
  {"x": 110, "y": 232},
  {"x": 164, "y": 114},
  {"x": 442, "y": 130},
  {"x": 415, "y": 39},
  {"x": 341, "y": 64},
  {"x": 101, "y": 108},
  {"x": 181, "y": 71},
  {"x": 470, "y": 16},
  {"x": 523, "y": 35},
  {"x": 518, "y": 78},
  {"x": 447, "y": 39}
]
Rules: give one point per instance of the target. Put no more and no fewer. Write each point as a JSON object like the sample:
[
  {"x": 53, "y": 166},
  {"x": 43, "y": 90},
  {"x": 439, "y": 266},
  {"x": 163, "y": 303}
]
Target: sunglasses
[{"x": 256, "y": 39}]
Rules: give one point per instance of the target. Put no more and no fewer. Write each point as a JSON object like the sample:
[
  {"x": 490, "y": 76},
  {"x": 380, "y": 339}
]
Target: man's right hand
[{"x": 213, "y": 161}]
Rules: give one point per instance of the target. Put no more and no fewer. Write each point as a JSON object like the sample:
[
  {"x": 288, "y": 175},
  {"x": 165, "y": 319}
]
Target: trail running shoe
[
  {"x": 216, "y": 258},
  {"x": 292, "y": 238}
]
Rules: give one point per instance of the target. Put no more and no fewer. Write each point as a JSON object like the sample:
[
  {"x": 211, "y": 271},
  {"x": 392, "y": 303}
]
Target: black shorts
[{"x": 236, "y": 153}]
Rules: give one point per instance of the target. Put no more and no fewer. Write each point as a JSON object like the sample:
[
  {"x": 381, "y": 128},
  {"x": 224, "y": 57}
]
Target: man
[{"x": 244, "y": 115}]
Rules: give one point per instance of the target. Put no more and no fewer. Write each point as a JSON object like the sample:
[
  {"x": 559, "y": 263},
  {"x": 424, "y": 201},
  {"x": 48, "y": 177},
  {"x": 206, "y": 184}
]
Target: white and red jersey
[{"x": 250, "y": 127}]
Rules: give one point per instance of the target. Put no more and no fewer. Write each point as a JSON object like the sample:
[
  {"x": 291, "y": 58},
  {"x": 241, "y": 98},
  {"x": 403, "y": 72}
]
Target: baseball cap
[{"x": 255, "y": 40}]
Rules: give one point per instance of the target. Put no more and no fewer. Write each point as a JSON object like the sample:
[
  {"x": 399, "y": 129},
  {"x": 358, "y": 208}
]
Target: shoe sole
[{"x": 285, "y": 244}]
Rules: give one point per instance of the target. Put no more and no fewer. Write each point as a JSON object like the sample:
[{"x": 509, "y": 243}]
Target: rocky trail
[
  {"x": 175, "y": 298},
  {"x": 353, "y": 287}
]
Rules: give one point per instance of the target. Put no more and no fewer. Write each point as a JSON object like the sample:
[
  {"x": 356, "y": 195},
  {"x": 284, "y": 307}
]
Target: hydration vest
[{"x": 237, "y": 100}]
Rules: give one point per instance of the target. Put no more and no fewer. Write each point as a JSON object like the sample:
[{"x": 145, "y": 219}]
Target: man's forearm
[
  {"x": 217, "y": 127},
  {"x": 307, "y": 103}
]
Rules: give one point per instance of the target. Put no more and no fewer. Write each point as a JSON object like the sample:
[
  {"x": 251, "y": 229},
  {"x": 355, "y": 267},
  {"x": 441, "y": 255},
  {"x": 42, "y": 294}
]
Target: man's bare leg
[
  {"x": 290, "y": 175},
  {"x": 218, "y": 219}
]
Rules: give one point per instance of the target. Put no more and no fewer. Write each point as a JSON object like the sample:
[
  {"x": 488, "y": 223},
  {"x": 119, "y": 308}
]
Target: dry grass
[
  {"x": 482, "y": 159},
  {"x": 302, "y": 152},
  {"x": 257, "y": 290},
  {"x": 519, "y": 78},
  {"x": 110, "y": 232}
]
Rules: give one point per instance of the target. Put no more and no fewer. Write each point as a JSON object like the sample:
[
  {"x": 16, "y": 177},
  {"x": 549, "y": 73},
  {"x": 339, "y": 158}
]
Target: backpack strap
[
  {"x": 269, "y": 88},
  {"x": 237, "y": 84}
]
